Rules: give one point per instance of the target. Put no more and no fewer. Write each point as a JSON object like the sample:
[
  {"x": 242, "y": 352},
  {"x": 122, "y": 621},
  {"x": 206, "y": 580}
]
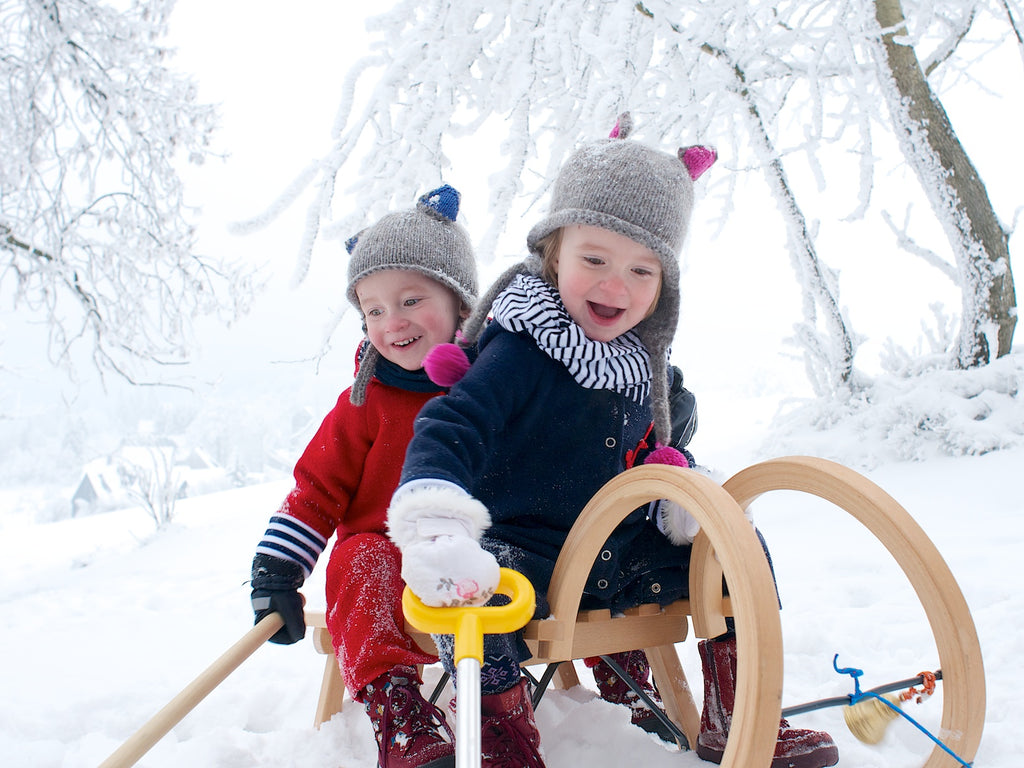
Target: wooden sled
[{"x": 727, "y": 546}]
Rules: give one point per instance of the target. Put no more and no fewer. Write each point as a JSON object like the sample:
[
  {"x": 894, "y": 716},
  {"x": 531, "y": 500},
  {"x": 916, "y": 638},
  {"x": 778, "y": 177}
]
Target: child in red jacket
[{"x": 412, "y": 276}]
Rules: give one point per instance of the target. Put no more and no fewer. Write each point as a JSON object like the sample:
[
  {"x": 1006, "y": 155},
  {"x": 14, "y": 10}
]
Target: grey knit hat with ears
[
  {"x": 633, "y": 190},
  {"x": 424, "y": 239}
]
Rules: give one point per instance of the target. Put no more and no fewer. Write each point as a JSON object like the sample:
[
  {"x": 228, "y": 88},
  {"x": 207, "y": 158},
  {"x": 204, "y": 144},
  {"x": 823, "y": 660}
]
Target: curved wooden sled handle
[
  {"x": 754, "y": 604},
  {"x": 140, "y": 742},
  {"x": 963, "y": 675}
]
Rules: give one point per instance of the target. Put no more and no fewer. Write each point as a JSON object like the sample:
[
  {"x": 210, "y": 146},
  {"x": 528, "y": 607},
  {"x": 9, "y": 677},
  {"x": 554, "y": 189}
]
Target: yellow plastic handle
[{"x": 469, "y": 623}]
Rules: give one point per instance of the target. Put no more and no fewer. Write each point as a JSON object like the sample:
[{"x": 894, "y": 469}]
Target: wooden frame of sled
[{"x": 727, "y": 546}]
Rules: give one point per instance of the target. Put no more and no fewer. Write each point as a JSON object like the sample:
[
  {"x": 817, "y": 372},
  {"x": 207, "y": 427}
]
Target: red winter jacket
[
  {"x": 346, "y": 475},
  {"x": 343, "y": 484}
]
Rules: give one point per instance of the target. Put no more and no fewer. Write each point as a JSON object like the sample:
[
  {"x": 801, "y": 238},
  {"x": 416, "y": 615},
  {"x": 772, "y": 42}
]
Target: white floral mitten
[
  {"x": 437, "y": 526},
  {"x": 676, "y": 523}
]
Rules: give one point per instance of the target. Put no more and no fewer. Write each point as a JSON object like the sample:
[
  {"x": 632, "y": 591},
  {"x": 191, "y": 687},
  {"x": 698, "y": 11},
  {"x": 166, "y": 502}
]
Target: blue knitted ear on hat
[
  {"x": 350, "y": 244},
  {"x": 442, "y": 202}
]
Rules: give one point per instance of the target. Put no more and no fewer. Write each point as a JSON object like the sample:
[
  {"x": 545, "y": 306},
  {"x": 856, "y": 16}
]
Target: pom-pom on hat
[
  {"x": 634, "y": 190},
  {"x": 423, "y": 239}
]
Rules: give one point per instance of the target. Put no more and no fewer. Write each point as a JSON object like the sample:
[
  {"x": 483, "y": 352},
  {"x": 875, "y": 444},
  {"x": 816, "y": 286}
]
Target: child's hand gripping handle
[{"x": 469, "y": 624}]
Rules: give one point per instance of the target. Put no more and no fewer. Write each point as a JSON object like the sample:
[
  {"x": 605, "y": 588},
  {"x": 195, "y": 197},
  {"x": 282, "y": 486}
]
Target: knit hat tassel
[
  {"x": 659, "y": 404},
  {"x": 367, "y": 365}
]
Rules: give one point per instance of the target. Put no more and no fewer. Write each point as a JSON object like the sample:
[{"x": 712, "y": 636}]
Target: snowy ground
[{"x": 104, "y": 622}]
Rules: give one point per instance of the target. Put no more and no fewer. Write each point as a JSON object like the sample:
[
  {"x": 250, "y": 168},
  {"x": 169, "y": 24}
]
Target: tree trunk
[
  {"x": 956, "y": 193},
  {"x": 829, "y": 359}
]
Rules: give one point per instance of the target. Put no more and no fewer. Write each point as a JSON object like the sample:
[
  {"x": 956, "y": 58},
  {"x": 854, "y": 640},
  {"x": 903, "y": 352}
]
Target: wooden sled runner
[
  {"x": 727, "y": 546},
  {"x": 963, "y": 675}
]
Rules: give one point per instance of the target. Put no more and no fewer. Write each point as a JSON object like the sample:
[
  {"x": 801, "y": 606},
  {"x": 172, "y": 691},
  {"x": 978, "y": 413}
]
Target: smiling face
[
  {"x": 407, "y": 314},
  {"x": 608, "y": 282}
]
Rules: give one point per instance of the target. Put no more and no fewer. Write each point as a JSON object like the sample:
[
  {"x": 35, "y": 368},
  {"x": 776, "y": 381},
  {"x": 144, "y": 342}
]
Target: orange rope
[{"x": 928, "y": 681}]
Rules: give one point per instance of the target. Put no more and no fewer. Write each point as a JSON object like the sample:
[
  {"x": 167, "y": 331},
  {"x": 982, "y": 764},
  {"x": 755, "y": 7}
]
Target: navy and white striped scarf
[{"x": 533, "y": 305}]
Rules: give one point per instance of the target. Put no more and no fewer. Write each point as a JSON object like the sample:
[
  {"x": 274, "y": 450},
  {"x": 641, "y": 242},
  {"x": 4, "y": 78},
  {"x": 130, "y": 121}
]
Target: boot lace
[
  {"x": 505, "y": 746},
  {"x": 407, "y": 718}
]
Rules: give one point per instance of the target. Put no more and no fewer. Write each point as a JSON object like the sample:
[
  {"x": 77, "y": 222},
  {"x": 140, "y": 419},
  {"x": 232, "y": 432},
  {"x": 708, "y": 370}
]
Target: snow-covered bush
[{"x": 923, "y": 414}]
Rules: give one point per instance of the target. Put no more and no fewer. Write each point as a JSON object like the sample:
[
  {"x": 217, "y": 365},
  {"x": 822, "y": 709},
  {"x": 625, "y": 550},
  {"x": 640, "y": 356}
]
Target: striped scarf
[{"x": 533, "y": 305}]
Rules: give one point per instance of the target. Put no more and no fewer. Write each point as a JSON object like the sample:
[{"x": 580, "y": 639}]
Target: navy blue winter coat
[{"x": 519, "y": 434}]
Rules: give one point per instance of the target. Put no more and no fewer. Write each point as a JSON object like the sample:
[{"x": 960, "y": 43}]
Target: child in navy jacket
[
  {"x": 412, "y": 276},
  {"x": 568, "y": 378}
]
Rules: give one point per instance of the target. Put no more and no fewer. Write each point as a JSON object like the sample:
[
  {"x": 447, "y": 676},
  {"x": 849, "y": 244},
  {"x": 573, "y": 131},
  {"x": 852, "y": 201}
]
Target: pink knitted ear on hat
[
  {"x": 623, "y": 126},
  {"x": 697, "y": 159}
]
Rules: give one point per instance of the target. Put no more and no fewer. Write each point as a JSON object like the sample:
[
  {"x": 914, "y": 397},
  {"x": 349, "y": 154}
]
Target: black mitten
[{"x": 275, "y": 589}]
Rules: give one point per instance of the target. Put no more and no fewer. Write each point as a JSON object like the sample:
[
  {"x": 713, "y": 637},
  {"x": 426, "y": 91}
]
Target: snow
[{"x": 106, "y": 619}]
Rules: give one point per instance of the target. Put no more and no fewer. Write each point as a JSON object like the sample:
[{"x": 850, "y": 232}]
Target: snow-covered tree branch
[
  {"x": 782, "y": 83},
  {"x": 94, "y": 232},
  {"x": 155, "y": 485}
]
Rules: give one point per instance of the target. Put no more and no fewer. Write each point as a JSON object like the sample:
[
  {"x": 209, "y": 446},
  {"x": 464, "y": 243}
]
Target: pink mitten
[{"x": 446, "y": 364}]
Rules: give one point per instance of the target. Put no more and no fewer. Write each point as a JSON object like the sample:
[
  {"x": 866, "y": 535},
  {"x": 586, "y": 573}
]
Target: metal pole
[{"x": 467, "y": 714}]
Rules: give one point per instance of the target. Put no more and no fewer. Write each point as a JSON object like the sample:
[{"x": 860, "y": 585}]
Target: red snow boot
[
  {"x": 615, "y": 690},
  {"x": 796, "y": 747},
  {"x": 509, "y": 737},
  {"x": 411, "y": 732}
]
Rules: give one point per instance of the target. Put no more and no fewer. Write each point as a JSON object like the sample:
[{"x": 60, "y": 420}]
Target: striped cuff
[{"x": 288, "y": 538}]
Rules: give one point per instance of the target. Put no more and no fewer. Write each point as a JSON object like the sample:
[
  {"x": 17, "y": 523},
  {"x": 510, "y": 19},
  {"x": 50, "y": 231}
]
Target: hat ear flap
[
  {"x": 367, "y": 367},
  {"x": 697, "y": 159}
]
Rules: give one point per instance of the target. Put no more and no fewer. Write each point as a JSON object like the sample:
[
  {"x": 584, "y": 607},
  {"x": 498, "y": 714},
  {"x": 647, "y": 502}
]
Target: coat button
[
  {"x": 609, "y": 442},
  {"x": 606, "y": 555}
]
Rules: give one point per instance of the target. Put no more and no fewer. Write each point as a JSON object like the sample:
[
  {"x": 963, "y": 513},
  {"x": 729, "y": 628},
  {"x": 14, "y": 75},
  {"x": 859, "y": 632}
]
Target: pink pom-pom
[
  {"x": 664, "y": 454},
  {"x": 446, "y": 364}
]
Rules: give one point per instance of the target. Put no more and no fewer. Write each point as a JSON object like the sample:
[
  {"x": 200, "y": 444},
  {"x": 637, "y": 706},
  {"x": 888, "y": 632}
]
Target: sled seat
[
  {"x": 597, "y": 632},
  {"x": 332, "y": 685},
  {"x": 568, "y": 633}
]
